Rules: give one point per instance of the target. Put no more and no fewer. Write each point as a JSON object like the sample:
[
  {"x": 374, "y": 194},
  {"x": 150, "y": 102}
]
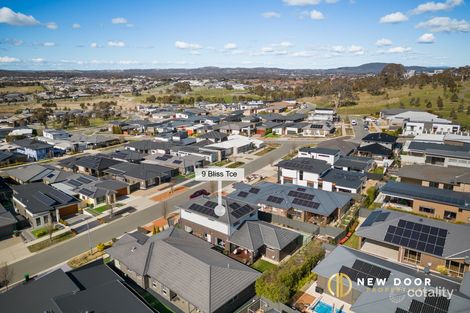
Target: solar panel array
[
  {"x": 364, "y": 270},
  {"x": 210, "y": 204},
  {"x": 417, "y": 236},
  {"x": 430, "y": 305},
  {"x": 177, "y": 161},
  {"x": 44, "y": 199},
  {"x": 202, "y": 209},
  {"x": 375, "y": 216},
  {"x": 306, "y": 203},
  {"x": 86, "y": 192},
  {"x": 274, "y": 199},
  {"x": 164, "y": 157},
  {"x": 241, "y": 211},
  {"x": 301, "y": 189},
  {"x": 84, "y": 180},
  {"x": 243, "y": 194},
  {"x": 75, "y": 183},
  {"x": 300, "y": 195},
  {"x": 254, "y": 190}
]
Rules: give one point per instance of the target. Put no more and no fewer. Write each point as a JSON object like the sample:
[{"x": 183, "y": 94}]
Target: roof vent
[{"x": 133, "y": 249}]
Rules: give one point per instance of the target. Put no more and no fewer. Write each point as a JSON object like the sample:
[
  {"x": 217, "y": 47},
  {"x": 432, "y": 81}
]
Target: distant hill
[{"x": 218, "y": 72}]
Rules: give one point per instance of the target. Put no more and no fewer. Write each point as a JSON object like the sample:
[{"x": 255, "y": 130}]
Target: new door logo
[{"x": 339, "y": 289}]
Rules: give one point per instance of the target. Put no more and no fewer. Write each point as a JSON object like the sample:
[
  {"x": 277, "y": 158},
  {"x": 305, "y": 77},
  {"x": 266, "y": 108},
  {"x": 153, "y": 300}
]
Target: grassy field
[
  {"x": 98, "y": 210},
  {"x": 221, "y": 93},
  {"x": 369, "y": 104},
  {"x": 262, "y": 266},
  {"x": 21, "y": 89}
]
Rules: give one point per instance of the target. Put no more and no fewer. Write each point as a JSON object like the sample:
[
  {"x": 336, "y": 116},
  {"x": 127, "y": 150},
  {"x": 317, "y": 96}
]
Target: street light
[{"x": 89, "y": 238}]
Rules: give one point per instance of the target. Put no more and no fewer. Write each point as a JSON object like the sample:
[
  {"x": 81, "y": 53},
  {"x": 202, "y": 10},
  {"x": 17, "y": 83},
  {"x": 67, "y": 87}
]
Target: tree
[
  {"x": 454, "y": 97},
  {"x": 429, "y": 104},
  {"x": 392, "y": 74},
  {"x": 50, "y": 227},
  {"x": 342, "y": 92},
  {"x": 6, "y": 274},
  {"x": 151, "y": 99},
  {"x": 440, "y": 103}
]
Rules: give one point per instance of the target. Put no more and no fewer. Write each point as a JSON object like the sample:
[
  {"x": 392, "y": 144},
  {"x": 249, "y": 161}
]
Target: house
[
  {"x": 322, "y": 114},
  {"x": 433, "y": 153},
  {"x": 298, "y": 203},
  {"x": 266, "y": 128},
  {"x": 141, "y": 176},
  {"x": 302, "y": 171},
  {"x": 149, "y": 146},
  {"x": 198, "y": 217},
  {"x": 415, "y": 240},
  {"x": 127, "y": 156},
  {"x": 239, "y": 128},
  {"x": 344, "y": 146},
  {"x": 378, "y": 285},
  {"x": 237, "y": 144},
  {"x": 380, "y": 146},
  {"x": 450, "y": 178},
  {"x": 184, "y": 164},
  {"x": 40, "y": 203},
  {"x": 94, "y": 165},
  {"x": 325, "y": 154},
  {"x": 214, "y": 136},
  {"x": 91, "y": 190},
  {"x": 94, "y": 141},
  {"x": 256, "y": 239},
  {"x": 354, "y": 164},
  {"x": 318, "y": 129},
  {"x": 7, "y": 222},
  {"x": 34, "y": 149},
  {"x": 7, "y": 158},
  {"x": 35, "y": 173},
  {"x": 91, "y": 288},
  {"x": 444, "y": 204},
  {"x": 198, "y": 150},
  {"x": 55, "y": 134},
  {"x": 275, "y": 107},
  {"x": 342, "y": 181},
  {"x": 185, "y": 270}
]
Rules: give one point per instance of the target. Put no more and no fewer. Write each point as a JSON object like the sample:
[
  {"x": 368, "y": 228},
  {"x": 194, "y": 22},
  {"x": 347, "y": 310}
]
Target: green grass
[
  {"x": 47, "y": 243},
  {"x": 21, "y": 89},
  {"x": 378, "y": 170},
  {"x": 221, "y": 163},
  {"x": 265, "y": 151},
  {"x": 98, "y": 210},
  {"x": 41, "y": 231},
  {"x": 353, "y": 242},
  {"x": 272, "y": 135},
  {"x": 262, "y": 266},
  {"x": 235, "y": 164}
]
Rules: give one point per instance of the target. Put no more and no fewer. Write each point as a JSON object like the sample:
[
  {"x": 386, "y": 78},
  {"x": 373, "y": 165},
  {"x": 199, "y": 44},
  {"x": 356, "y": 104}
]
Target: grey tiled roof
[
  {"x": 380, "y": 137},
  {"x": 34, "y": 172},
  {"x": 187, "y": 265},
  {"x": 140, "y": 171},
  {"x": 253, "y": 235},
  {"x": 329, "y": 151},
  {"x": 354, "y": 163},
  {"x": 305, "y": 164},
  {"x": 344, "y": 179},
  {"x": 460, "y": 151},
  {"x": 446, "y": 175}
]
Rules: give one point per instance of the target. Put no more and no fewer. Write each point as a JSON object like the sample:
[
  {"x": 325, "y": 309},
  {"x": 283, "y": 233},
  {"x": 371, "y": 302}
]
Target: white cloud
[
  {"x": 38, "y": 60},
  {"x": 230, "y": 46},
  {"x": 301, "y": 2},
  {"x": 118, "y": 43},
  {"x": 8, "y": 16},
  {"x": 316, "y": 15},
  {"x": 271, "y": 14},
  {"x": 127, "y": 62},
  {"x": 267, "y": 49},
  {"x": 298, "y": 54},
  {"x": 187, "y": 45},
  {"x": 286, "y": 44},
  {"x": 383, "y": 42},
  {"x": 13, "y": 42},
  {"x": 94, "y": 45},
  {"x": 398, "y": 50},
  {"x": 393, "y": 18},
  {"x": 436, "y": 6},
  {"x": 49, "y": 44},
  {"x": 52, "y": 25},
  {"x": 8, "y": 60},
  {"x": 119, "y": 20},
  {"x": 426, "y": 38},
  {"x": 356, "y": 50},
  {"x": 352, "y": 49},
  {"x": 445, "y": 24},
  {"x": 76, "y": 26},
  {"x": 338, "y": 49},
  {"x": 331, "y": 1}
]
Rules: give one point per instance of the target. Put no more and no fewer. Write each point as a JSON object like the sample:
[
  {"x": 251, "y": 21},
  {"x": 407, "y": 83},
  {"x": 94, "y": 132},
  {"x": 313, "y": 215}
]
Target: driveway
[{"x": 12, "y": 249}]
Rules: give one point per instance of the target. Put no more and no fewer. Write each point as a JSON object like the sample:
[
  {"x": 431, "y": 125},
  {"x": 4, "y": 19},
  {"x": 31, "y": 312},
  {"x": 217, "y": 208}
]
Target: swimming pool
[{"x": 322, "y": 307}]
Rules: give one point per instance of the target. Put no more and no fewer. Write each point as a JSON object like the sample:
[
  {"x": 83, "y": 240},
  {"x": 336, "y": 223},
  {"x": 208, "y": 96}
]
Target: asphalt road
[
  {"x": 359, "y": 131},
  {"x": 61, "y": 252}
]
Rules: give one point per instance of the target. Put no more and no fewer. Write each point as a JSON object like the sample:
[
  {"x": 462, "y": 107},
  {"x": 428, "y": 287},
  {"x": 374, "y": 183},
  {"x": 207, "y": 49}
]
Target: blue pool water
[{"x": 322, "y": 307}]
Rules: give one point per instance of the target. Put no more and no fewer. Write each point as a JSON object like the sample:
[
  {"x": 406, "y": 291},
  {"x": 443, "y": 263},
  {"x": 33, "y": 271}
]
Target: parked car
[{"x": 200, "y": 192}]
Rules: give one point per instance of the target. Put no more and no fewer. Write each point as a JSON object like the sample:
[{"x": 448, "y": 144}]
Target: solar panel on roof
[
  {"x": 423, "y": 238},
  {"x": 177, "y": 161},
  {"x": 243, "y": 194},
  {"x": 84, "y": 180},
  {"x": 202, "y": 209},
  {"x": 241, "y": 211},
  {"x": 306, "y": 203},
  {"x": 274, "y": 199},
  {"x": 234, "y": 205},
  {"x": 301, "y": 195},
  {"x": 370, "y": 219},
  {"x": 254, "y": 190},
  {"x": 210, "y": 204},
  {"x": 301, "y": 189},
  {"x": 44, "y": 198},
  {"x": 86, "y": 192},
  {"x": 74, "y": 183}
]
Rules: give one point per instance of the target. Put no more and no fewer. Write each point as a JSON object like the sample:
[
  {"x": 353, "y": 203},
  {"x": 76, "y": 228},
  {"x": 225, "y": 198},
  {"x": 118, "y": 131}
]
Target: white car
[{"x": 353, "y": 123}]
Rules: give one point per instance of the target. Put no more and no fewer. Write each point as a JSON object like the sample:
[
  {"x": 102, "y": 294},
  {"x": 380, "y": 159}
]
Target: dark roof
[
  {"x": 140, "y": 171},
  {"x": 354, "y": 163},
  {"x": 6, "y": 218},
  {"x": 305, "y": 164},
  {"x": 344, "y": 179},
  {"x": 31, "y": 173},
  {"x": 32, "y": 144},
  {"x": 127, "y": 155},
  {"x": 253, "y": 235},
  {"x": 376, "y": 149},
  {"x": 96, "y": 162},
  {"x": 214, "y": 135},
  {"x": 460, "y": 151},
  {"x": 187, "y": 265},
  {"x": 380, "y": 137},
  {"x": 446, "y": 175},
  {"x": 329, "y": 151},
  {"x": 39, "y": 197},
  {"x": 346, "y": 147},
  {"x": 449, "y": 197}
]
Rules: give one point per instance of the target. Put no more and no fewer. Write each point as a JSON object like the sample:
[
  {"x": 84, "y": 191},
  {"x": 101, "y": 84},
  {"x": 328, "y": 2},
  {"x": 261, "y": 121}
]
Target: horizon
[{"x": 286, "y": 34}]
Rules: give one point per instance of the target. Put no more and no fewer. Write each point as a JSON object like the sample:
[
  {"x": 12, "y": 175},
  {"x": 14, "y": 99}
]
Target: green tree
[{"x": 440, "y": 103}]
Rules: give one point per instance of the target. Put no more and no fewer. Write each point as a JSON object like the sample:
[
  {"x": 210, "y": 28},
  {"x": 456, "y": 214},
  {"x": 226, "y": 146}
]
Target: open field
[
  {"x": 369, "y": 104},
  {"x": 21, "y": 89}
]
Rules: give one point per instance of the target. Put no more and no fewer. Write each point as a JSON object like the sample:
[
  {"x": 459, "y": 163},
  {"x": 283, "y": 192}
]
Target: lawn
[
  {"x": 221, "y": 93},
  {"x": 46, "y": 243},
  {"x": 41, "y": 231},
  {"x": 221, "y": 163},
  {"x": 98, "y": 210},
  {"x": 21, "y": 89},
  {"x": 378, "y": 170},
  {"x": 235, "y": 164},
  {"x": 263, "y": 266},
  {"x": 265, "y": 151},
  {"x": 353, "y": 242},
  {"x": 272, "y": 135}
]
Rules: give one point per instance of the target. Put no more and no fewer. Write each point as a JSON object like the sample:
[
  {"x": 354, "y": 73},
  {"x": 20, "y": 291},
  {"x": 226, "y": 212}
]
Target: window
[
  {"x": 46, "y": 219},
  {"x": 38, "y": 221},
  {"x": 433, "y": 184},
  {"x": 301, "y": 175},
  {"x": 448, "y": 215},
  {"x": 412, "y": 256},
  {"x": 426, "y": 210},
  {"x": 448, "y": 187},
  {"x": 456, "y": 268},
  {"x": 154, "y": 284}
]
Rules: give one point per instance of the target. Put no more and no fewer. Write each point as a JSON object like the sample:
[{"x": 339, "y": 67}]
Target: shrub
[
  {"x": 100, "y": 247},
  {"x": 442, "y": 269}
]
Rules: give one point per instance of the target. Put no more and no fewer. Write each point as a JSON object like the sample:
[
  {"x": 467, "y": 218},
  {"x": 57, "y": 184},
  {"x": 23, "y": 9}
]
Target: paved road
[
  {"x": 359, "y": 131},
  {"x": 59, "y": 253}
]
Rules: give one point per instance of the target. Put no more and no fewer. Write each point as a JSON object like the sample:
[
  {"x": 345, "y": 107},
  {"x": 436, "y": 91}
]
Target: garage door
[{"x": 134, "y": 187}]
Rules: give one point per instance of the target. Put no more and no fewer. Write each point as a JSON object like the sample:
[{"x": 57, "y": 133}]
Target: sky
[{"x": 121, "y": 34}]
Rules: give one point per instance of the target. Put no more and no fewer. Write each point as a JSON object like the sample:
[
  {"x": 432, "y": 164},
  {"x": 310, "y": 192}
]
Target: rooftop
[{"x": 305, "y": 164}]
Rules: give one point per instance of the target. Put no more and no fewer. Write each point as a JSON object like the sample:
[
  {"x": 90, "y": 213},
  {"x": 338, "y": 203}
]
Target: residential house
[
  {"x": 266, "y": 128},
  {"x": 342, "y": 181},
  {"x": 415, "y": 240},
  {"x": 55, "y": 134},
  {"x": 140, "y": 176},
  {"x": 376, "y": 283},
  {"x": 322, "y": 114},
  {"x": 127, "y": 156},
  {"x": 346, "y": 147},
  {"x": 432, "y": 153},
  {"x": 380, "y": 146},
  {"x": 428, "y": 201},
  {"x": 36, "y": 173},
  {"x": 450, "y": 178},
  {"x": 150, "y": 146},
  {"x": 238, "y": 128},
  {"x": 199, "y": 218},
  {"x": 91, "y": 288},
  {"x": 354, "y": 164},
  {"x": 298, "y": 203},
  {"x": 94, "y": 141},
  {"x": 184, "y": 164},
  {"x": 318, "y": 129},
  {"x": 7, "y": 158},
  {"x": 40, "y": 203},
  {"x": 8, "y": 222},
  {"x": 214, "y": 136},
  {"x": 198, "y": 150},
  {"x": 302, "y": 171},
  {"x": 185, "y": 270},
  {"x": 94, "y": 165},
  {"x": 237, "y": 144},
  {"x": 34, "y": 149},
  {"x": 325, "y": 154}
]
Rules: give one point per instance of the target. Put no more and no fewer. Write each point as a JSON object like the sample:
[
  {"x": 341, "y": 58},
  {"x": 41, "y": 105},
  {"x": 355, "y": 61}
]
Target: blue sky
[{"x": 122, "y": 34}]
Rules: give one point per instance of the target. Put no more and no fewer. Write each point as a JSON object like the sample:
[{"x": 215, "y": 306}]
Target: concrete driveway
[{"x": 12, "y": 249}]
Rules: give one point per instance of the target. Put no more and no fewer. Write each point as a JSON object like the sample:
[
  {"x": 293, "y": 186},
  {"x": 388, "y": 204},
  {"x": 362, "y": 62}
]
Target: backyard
[{"x": 263, "y": 265}]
